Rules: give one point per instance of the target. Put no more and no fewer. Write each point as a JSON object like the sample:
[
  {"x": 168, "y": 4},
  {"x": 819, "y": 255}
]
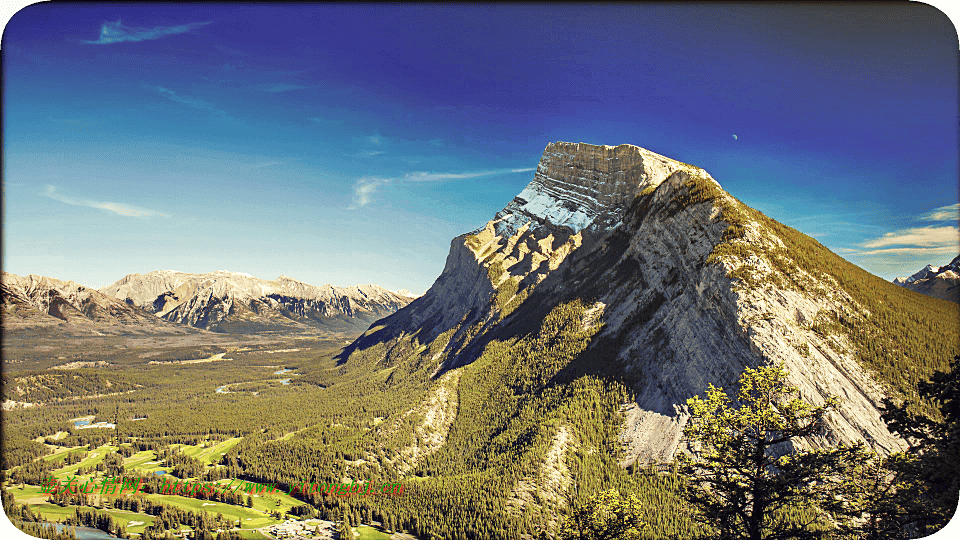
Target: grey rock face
[{"x": 579, "y": 185}]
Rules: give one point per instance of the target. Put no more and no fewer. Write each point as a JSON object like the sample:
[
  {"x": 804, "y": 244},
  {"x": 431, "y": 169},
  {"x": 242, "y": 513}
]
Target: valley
[{"x": 278, "y": 395}]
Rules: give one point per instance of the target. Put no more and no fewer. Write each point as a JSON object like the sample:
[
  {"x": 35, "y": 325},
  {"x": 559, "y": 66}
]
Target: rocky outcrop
[
  {"x": 941, "y": 282},
  {"x": 235, "y": 302},
  {"x": 579, "y": 190}
]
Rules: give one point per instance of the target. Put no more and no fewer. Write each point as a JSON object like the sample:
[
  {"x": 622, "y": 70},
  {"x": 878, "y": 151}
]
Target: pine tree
[
  {"x": 607, "y": 515},
  {"x": 744, "y": 479}
]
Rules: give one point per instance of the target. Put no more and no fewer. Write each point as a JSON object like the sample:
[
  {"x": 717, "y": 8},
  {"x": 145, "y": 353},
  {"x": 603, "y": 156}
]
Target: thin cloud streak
[
  {"x": 919, "y": 241},
  {"x": 944, "y": 213},
  {"x": 364, "y": 188},
  {"x": 117, "y": 32},
  {"x": 939, "y": 250},
  {"x": 436, "y": 177},
  {"x": 280, "y": 87},
  {"x": 117, "y": 208},
  {"x": 193, "y": 102},
  {"x": 917, "y": 236}
]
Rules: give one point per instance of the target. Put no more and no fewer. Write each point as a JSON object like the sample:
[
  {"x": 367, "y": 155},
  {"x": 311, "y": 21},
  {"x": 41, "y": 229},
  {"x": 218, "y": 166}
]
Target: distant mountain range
[
  {"x": 232, "y": 302},
  {"x": 941, "y": 282},
  {"x": 220, "y": 301},
  {"x": 44, "y": 302}
]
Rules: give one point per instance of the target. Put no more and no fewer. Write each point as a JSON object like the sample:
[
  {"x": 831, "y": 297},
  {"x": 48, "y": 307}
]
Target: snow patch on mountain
[{"x": 582, "y": 186}]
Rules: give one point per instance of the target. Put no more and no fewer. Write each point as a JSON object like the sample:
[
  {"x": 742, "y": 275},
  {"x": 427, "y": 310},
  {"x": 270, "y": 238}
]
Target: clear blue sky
[{"x": 348, "y": 144}]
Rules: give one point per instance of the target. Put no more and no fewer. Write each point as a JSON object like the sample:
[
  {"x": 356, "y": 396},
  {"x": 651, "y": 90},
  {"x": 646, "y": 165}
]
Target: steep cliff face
[
  {"x": 236, "y": 302},
  {"x": 585, "y": 186},
  {"x": 683, "y": 286}
]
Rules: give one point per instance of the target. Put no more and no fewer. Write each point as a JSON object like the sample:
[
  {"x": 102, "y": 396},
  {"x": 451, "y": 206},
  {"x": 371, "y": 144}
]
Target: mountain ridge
[
  {"x": 235, "y": 302},
  {"x": 39, "y": 301}
]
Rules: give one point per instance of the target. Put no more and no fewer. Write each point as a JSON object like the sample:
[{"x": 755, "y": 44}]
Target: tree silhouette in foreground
[
  {"x": 747, "y": 481},
  {"x": 935, "y": 451}
]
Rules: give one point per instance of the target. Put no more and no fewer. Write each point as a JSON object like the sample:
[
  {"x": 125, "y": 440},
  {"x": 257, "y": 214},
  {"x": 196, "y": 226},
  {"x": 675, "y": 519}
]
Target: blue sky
[{"x": 349, "y": 144}]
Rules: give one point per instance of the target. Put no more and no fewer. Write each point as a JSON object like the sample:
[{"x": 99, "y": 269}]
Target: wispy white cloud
[
  {"x": 944, "y": 213},
  {"x": 368, "y": 153},
  {"x": 189, "y": 101},
  {"x": 926, "y": 241},
  {"x": 117, "y": 208},
  {"x": 919, "y": 241},
  {"x": 364, "y": 188},
  {"x": 924, "y": 252},
  {"x": 436, "y": 177},
  {"x": 117, "y": 32},
  {"x": 280, "y": 87},
  {"x": 916, "y": 236}
]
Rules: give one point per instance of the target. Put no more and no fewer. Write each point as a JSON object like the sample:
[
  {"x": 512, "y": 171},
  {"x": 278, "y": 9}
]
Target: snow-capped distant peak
[
  {"x": 405, "y": 292},
  {"x": 244, "y": 274}
]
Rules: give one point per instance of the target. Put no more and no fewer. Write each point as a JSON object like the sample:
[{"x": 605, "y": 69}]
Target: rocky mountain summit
[
  {"x": 39, "y": 301},
  {"x": 673, "y": 284},
  {"x": 239, "y": 303},
  {"x": 941, "y": 282}
]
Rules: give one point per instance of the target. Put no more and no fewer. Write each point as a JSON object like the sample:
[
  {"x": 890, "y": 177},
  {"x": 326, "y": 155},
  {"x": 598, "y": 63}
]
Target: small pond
[{"x": 83, "y": 533}]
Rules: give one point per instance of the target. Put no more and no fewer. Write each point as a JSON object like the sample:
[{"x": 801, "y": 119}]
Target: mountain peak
[
  {"x": 580, "y": 185},
  {"x": 937, "y": 281},
  {"x": 667, "y": 283}
]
